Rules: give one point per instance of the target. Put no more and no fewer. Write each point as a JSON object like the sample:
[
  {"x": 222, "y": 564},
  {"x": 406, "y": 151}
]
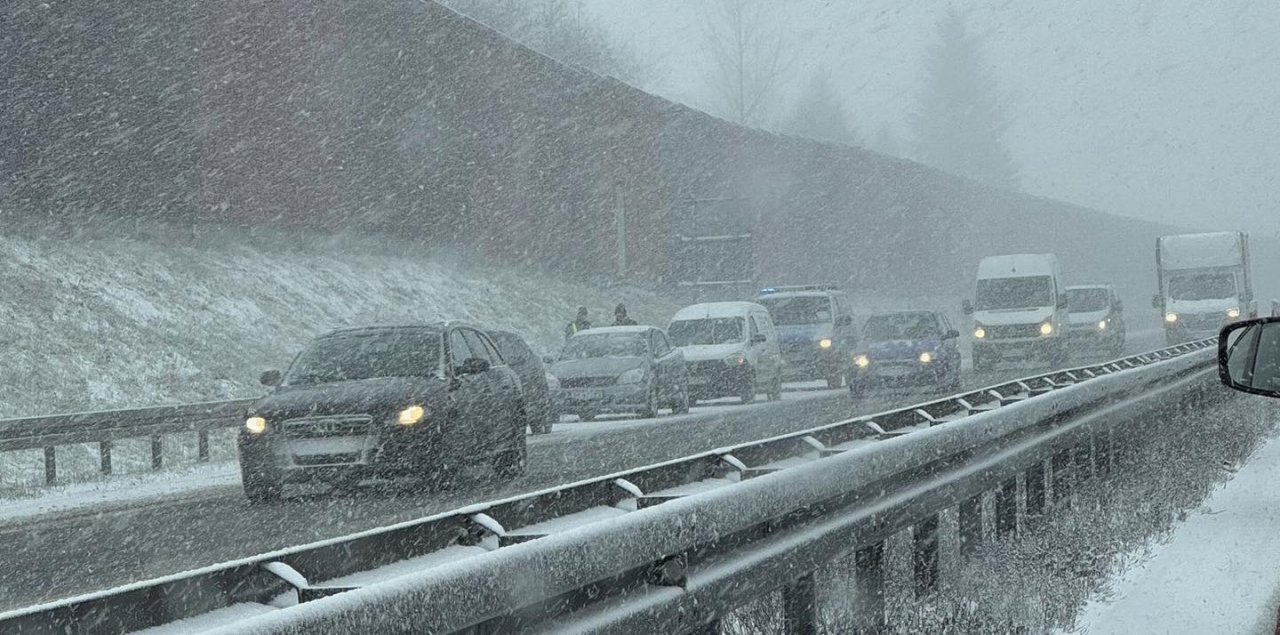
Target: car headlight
[
  {"x": 255, "y": 425},
  {"x": 633, "y": 376},
  {"x": 1233, "y": 313},
  {"x": 1170, "y": 317},
  {"x": 825, "y": 343},
  {"x": 411, "y": 416},
  {"x": 926, "y": 357},
  {"x": 735, "y": 360},
  {"x": 979, "y": 333},
  {"x": 1102, "y": 326},
  {"x": 861, "y": 361},
  {"x": 1046, "y": 329}
]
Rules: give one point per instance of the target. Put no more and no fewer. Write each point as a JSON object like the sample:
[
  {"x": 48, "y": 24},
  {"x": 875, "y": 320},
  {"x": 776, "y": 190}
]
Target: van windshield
[
  {"x": 1204, "y": 286},
  {"x": 787, "y": 311},
  {"x": 706, "y": 332},
  {"x": 996, "y": 294}
]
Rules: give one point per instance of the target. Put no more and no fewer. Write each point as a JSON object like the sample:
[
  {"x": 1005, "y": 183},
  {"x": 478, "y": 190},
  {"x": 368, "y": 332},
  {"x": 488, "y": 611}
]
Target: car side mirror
[
  {"x": 759, "y": 338},
  {"x": 548, "y": 360},
  {"x": 473, "y": 365},
  {"x": 967, "y": 307},
  {"x": 1157, "y": 301},
  {"x": 1119, "y": 308},
  {"x": 1063, "y": 302},
  {"x": 271, "y": 378},
  {"x": 844, "y": 320},
  {"x": 951, "y": 335},
  {"x": 1249, "y": 356}
]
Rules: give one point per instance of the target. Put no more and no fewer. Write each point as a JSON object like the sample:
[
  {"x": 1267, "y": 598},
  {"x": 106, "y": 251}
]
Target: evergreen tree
[
  {"x": 819, "y": 113},
  {"x": 959, "y": 125}
]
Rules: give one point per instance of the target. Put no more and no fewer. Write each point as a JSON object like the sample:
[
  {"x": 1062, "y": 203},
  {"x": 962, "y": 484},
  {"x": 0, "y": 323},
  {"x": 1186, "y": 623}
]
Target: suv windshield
[
  {"x": 1088, "y": 300},
  {"x": 705, "y": 332},
  {"x": 589, "y": 345},
  {"x": 1014, "y": 293},
  {"x": 787, "y": 311},
  {"x": 1205, "y": 286},
  {"x": 366, "y": 355},
  {"x": 902, "y": 326}
]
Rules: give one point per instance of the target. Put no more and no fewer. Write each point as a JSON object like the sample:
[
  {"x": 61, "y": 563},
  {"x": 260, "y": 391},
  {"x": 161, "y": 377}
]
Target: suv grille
[
  {"x": 322, "y": 427},
  {"x": 1013, "y": 331},
  {"x": 588, "y": 382}
]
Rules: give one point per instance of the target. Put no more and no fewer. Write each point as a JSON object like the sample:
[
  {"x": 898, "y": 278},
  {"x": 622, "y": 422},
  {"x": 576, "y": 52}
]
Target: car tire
[
  {"x": 650, "y": 409},
  {"x": 981, "y": 363},
  {"x": 262, "y": 490},
  {"x": 775, "y": 389},
  {"x": 747, "y": 392},
  {"x": 512, "y": 462},
  {"x": 835, "y": 381}
]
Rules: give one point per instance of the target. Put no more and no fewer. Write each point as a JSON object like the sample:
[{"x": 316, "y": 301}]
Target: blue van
[{"x": 815, "y": 331}]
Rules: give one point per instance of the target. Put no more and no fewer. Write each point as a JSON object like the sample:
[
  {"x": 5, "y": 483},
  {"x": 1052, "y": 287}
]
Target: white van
[
  {"x": 730, "y": 349},
  {"x": 1019, "y": 311}
]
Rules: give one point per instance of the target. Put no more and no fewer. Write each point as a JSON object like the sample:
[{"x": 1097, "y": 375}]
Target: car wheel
[
  {"x": 650, "y": 409},
  {"x": 511, "y": 462},
  {"x": 261, "y": 489},
  {"x": 747, "y": 393},
  {"x": 775, "y": 389},
  {"x": 835, "y": 380}
]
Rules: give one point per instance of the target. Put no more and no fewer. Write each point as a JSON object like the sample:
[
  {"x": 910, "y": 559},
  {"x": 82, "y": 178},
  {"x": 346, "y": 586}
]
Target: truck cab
[
  {"x": 1019, "y": 311},
  {"x": 1204, "y": 284}
]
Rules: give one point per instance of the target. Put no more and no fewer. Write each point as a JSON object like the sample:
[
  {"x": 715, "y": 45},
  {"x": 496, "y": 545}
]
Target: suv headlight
[
  {"x": 1102, "y": 326},
  {"x": 633, "y": 376},
  {"x": 411, "y": 416},
  {"x": 825, "y": 343},
  {"x": 1046, "y": 329},
  {"x": 255, "y": 425},
  {"x": 979, "y": 333},
  {"x": 1170, "y": 317},
  {"x": 1233, "y": 312},
  {"x": 861, "y": 361},
  {"x": 926, "y": 357}
]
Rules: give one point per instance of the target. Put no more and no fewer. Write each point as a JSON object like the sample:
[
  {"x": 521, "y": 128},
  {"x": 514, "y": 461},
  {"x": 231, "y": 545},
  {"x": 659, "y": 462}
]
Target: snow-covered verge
[
  {"x": 101, "y": 323},
  {"x": 1219, "y": 572}
]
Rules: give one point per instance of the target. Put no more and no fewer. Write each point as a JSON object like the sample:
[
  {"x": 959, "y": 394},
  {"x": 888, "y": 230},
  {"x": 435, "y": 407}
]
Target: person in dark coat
[
  {"x": 620, "y": 317},
  {"x": 579, "y": 323}
]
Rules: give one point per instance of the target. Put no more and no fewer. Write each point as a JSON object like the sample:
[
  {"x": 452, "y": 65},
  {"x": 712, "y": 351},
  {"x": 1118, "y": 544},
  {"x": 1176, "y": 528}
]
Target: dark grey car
[
  {"x": 533, "y": 379},
  {"x": 620, "y": 369},
  {"x": 413, "y": 401}
]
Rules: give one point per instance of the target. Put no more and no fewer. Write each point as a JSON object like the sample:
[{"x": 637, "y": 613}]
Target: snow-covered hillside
[{"x": 112, "y": 323}]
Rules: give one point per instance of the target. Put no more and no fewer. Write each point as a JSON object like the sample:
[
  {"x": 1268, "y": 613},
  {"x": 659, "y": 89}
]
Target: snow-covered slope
[{"x": 104, "y": 323}]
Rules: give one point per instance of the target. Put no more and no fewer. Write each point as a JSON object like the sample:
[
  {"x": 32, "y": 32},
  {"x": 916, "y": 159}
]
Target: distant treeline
[{"x": 403, "y": 117}]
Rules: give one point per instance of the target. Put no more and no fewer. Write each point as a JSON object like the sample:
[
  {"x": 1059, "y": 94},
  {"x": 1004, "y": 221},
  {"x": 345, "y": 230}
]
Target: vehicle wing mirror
[
  {"x": 1119, "y": 306},
  {"x": 548, "y": 360},
  {"x": 1157, "y": 301},
  {"x": 952, "y": 334},
  {"x": 967, "y": 307},
  {"x": 1063, "y": 302},
  {"x": 271, "y": 378},
  {"x": 1249, "y": 356},
  {"x": 473, "y": 365},
  {"x": 759, "y": 338}
]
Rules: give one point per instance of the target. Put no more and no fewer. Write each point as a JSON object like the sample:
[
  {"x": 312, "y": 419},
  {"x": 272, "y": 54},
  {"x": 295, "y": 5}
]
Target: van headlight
[
  {"x": 1102, "y": 326},
  {"x": 411, "y": 416},
  {"x": 979, "y": 333},
  {"x": 861, "y": 361},
  {"x": 926, "y": 357},
  {"x": 825, "y": 343},
  {"x": 255, "y": 425},
  {"x": 1170, "y": 317},
  {"x": 1046, "y": 329},
  {"x": 1233, "y": 312},
  {"x": 633, "y": 376}
]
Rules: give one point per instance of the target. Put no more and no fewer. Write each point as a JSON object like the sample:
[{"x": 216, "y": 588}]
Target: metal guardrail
[
  {"x": 842, "y": 485},
  {"x": 106, "y": 427}
]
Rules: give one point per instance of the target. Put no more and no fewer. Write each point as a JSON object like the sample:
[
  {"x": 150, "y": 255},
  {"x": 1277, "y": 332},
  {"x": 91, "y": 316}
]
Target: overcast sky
[{"x": 1161, "y": 109}]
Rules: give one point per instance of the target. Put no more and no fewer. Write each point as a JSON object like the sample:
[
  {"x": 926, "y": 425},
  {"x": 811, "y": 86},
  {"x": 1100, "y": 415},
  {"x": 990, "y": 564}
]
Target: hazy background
[{"x": 1159, "y": 110}]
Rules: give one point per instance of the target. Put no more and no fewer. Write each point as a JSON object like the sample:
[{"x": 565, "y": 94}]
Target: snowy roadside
[{"x": 1219, "y": 572}]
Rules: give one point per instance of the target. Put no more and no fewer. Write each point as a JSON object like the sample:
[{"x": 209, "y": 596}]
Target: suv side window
[
  {"x": 754, "y": 329},
  {"x": 481, "y": 348},
  {"x": 656, "y": 344},
  {"x": 459, "y": 351}
]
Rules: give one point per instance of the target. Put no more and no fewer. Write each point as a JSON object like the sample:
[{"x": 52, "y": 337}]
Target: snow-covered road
[{"x": 1219, "y": 572}]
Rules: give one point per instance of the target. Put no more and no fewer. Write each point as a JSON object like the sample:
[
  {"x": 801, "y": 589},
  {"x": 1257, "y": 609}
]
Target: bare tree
[
  {"x": 819, "y": 113},
  {"x": 960, "y": 124},
  {"x": 749, "y": 58}
]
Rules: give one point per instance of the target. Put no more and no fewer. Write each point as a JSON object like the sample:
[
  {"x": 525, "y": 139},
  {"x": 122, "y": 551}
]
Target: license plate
[
  {"x": 894, "y": 372},
  {"x": 699, "y": 381},
  {"x": 334, "y": 445}
]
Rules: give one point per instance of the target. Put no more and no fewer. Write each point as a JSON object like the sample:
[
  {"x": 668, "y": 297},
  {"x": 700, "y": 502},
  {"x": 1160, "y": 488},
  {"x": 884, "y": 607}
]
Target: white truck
[
  {"x": 1019, "y": 311},
  {"x": 1205, "y": 283}
]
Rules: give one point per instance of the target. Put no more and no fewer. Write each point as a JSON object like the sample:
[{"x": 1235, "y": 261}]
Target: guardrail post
[
  {"x": 869, "y": 589},
  {"x": 1084, "y": 460},
  {"x": 1007, "y": 508},
  {"x": 1062, "y": 477},
  {"x": 1035, "y": 485},
  {"x": 104, "y": 457},
  {"x": 800, "y": 606},
  {"x": 157, "y": 457},
  {"x": 924, "y": 557},
  {"x": 50, "y": 465},
  {"x": 970, "y": 524},
  {"x": 1102, "y": 450},
  {"x": 202, "y": 446}
]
